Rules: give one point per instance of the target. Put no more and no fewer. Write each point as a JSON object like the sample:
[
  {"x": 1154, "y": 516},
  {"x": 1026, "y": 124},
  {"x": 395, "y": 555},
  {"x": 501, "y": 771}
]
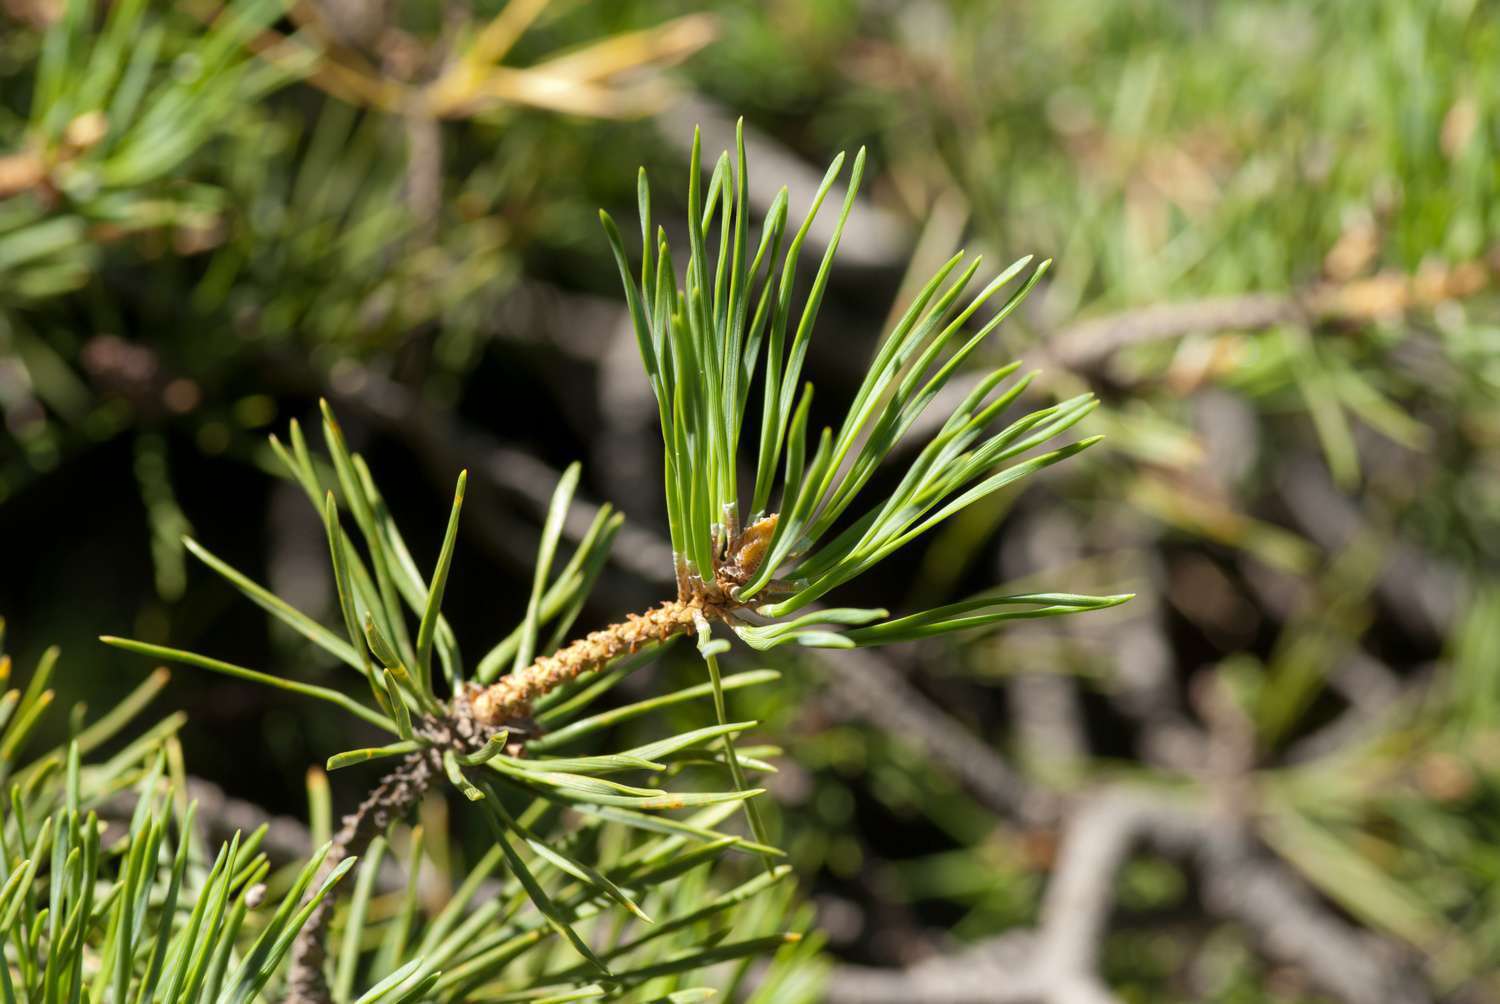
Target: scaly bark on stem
[
  {"x": 510, "y": 698},
  {"x": 396, "y": 795}
]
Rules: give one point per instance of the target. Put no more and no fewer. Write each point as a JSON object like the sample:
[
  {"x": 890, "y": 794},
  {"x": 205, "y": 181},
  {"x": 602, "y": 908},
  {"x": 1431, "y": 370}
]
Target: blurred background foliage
[{"x": 1275, "y": 227}]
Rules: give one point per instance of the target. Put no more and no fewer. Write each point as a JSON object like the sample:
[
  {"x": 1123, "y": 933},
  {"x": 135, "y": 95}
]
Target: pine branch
[
  {"x": 510, "y": 699},
  {"x": 735, "y": 564},
  {"x": 397, "y": 793},
  {"x": 1087, "y": 344},
  {"x": 862, "y": 682},
  {"x": 1085, "y": 347}
]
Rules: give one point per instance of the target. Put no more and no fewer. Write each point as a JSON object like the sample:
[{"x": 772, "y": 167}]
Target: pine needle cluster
[{"x": 492, "y": 734}]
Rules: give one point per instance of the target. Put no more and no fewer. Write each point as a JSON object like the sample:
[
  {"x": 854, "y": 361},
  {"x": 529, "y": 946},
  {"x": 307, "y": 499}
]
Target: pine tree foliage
[
  {"x": 232, "y": 166},
  {"x": 572, "y": 879},
  {"x": 494, "y": 737},
  {"x": 702, "y": 344},
  {"x": 286, "y": 188},
  {"x": 109, "y": 892},
  {"x": 101, "y": 905}
]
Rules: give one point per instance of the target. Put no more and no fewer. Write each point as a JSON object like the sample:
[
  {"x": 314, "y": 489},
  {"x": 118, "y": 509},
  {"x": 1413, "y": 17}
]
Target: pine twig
[
  {"x": 1087, "y": 344},
  {"x": 510, "y": 697},
  {"x": 861, "y": 680},
  {"x": 1086, "y": 347},
  {"x": 396, "y": 795}
]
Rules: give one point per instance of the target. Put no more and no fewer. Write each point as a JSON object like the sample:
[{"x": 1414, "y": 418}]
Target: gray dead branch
[{"x": 1058, "y": 962}]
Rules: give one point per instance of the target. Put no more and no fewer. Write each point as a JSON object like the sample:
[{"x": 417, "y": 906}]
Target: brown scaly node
[{"x": 511, "y": 698}]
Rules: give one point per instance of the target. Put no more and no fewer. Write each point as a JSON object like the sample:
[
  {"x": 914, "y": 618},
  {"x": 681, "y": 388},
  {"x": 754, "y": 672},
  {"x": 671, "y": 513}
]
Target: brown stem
[
  {"x": 510, "y": 698},
  {"x": 396, "y": 795}
]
